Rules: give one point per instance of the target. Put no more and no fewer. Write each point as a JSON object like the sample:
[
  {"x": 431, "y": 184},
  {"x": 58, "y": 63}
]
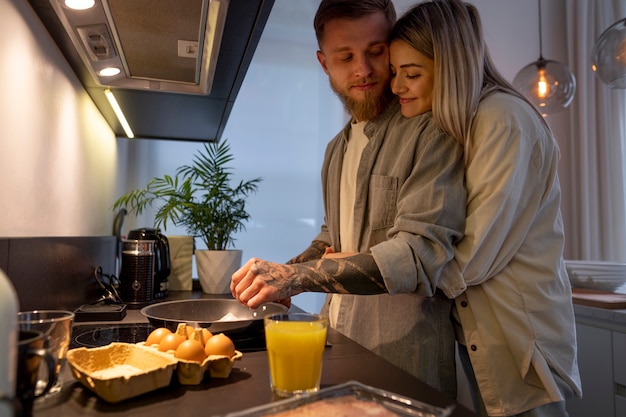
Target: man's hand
[{"x": 259, "y": 281}]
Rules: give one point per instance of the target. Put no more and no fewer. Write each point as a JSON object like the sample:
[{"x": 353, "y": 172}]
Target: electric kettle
[{"x": 162, "y": 266}]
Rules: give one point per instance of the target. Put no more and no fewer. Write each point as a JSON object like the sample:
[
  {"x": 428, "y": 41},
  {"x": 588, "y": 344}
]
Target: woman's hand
[{"x": 329, "y": 253}]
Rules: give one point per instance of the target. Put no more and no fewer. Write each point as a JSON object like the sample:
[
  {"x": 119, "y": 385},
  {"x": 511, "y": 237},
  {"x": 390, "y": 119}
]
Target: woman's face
[{"x": 412, "y": 78}]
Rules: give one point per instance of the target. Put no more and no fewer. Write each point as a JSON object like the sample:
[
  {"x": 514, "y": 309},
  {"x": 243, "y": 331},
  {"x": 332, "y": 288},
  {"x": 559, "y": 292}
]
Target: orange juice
[{"x": 295, "y": 350}]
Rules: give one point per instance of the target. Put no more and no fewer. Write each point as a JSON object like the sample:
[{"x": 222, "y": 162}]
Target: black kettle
[{"x": 162, "y": 263}]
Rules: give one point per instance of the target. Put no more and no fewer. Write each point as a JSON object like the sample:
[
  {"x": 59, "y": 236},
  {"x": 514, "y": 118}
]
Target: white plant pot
[
  {"x": 181, "y": 261},
  {"x": 215, "y": 269}
]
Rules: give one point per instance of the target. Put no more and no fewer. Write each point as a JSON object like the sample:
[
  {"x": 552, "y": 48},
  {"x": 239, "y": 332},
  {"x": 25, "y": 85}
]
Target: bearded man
[{"x": 394, "y": 201}]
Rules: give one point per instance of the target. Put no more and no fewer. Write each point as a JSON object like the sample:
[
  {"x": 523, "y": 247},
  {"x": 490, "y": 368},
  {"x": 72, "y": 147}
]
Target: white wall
[{"x": 58, "y": 157}]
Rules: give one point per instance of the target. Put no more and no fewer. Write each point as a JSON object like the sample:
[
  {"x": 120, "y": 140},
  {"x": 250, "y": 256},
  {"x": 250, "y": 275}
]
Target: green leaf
[{"x": 199, "y": 197}]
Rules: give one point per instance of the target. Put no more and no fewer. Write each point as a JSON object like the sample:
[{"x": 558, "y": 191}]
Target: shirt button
[
  {"x": 463, "y": 303},
  {"x": 474, "y": 348}
]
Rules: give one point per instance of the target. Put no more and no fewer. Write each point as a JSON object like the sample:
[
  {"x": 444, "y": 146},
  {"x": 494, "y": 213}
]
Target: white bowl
[{"x": 596, "y": 275}]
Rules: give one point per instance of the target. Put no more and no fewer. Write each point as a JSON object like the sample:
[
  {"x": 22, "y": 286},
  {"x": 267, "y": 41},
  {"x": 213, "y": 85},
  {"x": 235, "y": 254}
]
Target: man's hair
[{"x": 350, "y": 9}]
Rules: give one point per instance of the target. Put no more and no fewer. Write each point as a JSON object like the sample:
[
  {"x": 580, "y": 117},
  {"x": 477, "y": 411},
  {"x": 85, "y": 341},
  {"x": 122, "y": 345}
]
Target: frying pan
[{"x": 216, "y": 314}]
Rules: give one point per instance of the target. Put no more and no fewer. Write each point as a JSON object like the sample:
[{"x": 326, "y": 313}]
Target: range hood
[{"x": 181, "y": 62}]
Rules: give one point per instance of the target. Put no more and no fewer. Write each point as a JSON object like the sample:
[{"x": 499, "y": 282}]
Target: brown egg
[
  {"x": 219, "y": 344},
  {"x": 171, "y": 342},
  {"x": 156, "y": 335},
  {"x": 190, "y": 350}
]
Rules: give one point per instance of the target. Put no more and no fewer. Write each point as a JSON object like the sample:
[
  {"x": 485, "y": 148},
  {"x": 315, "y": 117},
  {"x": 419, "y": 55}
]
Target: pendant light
[
  {"x": 548, "y": 84},
  {"x": 608, "y": 58}
]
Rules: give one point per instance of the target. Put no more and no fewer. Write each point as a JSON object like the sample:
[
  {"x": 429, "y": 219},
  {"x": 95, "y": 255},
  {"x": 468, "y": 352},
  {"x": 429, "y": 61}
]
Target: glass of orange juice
[{"x": 295, "y": 347}]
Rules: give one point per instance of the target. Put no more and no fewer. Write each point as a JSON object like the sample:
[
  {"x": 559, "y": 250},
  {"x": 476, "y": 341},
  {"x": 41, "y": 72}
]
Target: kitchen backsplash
[{"x": 57, "y": 272}]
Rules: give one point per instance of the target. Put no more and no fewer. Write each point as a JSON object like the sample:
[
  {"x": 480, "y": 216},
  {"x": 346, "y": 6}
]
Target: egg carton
[
  {"x": 192, "y": 372},
  {"x": 120, "y": 371}
]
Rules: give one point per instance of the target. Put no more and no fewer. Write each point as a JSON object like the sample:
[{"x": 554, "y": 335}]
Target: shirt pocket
[{"x": 382, "y": 195}]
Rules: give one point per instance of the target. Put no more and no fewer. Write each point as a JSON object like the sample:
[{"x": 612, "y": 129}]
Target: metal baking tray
[{"x": 397, "y": 404}]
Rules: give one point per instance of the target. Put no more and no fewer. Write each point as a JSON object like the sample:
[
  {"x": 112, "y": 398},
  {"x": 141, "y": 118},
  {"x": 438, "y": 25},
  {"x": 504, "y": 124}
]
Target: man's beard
[{"x": 366, "y": 109}]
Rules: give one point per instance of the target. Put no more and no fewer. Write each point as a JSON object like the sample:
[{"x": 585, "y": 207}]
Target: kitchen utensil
[
  {"x": 370, "y": 397},
  {"x": 118, "y": 221},
  {"x": 598, "y": 299},
  {"x": 137, "y": 275},
  {"x": 597, "y": 275},
  {"x": 216, "y": 314},
  {"x": 31, "y": 358},
  {"x": 56, "y": 325},
  {"x": 162, "y": 263}
]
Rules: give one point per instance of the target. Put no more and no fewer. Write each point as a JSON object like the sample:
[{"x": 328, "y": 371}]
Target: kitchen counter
[
  {"x": 247, "y": 385},
  {"x": 612, "y": 319}
]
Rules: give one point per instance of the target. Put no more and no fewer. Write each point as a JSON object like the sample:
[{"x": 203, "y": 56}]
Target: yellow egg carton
[
  {"x": 192, "y": 373},
  {"x": 120, "y": 371}
]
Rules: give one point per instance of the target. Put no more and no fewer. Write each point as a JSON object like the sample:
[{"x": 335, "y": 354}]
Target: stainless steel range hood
[{"x": 182, "y": 62}]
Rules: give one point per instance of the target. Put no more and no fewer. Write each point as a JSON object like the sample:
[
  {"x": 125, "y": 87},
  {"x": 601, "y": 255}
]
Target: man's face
[{"x": 355, "y": 55}]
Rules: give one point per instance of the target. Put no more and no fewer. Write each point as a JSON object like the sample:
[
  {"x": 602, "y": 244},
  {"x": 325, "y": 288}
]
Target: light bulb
[
  {"x": 548, "y": 84},
  {"x": 542, "y": 84},
  {"x": 608, "y": 57}
]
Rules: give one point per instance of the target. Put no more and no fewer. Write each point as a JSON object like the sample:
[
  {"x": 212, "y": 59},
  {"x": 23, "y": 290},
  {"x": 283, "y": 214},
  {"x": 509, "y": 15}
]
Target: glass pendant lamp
[
  {"x": 548, "y": 84},
  {"x": 608, "y": 58}
]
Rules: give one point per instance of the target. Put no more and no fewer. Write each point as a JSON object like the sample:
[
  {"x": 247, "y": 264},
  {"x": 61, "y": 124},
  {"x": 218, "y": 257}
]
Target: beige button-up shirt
[{"x": 513, "y": 294}]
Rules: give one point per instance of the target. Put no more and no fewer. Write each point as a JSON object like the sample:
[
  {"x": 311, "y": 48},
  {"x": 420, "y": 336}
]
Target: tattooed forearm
[
  {"x": 314, "y": 251},
  {"x": 356, "y": 274},
  {"x": 282, "y": 277}
]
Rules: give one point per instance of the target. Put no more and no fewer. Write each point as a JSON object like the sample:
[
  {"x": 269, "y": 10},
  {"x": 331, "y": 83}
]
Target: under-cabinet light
[
  {"x": 80, "y": 4},
  {"x": 119, "y": 113},
  {"x": 109, "y": 71}
]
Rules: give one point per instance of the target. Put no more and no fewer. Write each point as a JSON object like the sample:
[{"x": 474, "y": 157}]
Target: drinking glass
[
  {"x": 31, "y": 357},
  {"x": 56, "y": 325},
  {"x": 295, "y": 348}
]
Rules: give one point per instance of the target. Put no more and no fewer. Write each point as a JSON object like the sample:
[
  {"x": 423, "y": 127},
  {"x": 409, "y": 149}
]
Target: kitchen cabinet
[
  {"x": 601, "y": 336},
  {"x": 595, "y": 365},
  {"x": 619, "y": 367}
]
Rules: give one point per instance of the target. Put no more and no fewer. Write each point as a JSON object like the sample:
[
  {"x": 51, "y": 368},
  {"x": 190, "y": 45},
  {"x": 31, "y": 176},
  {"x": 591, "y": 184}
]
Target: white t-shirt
[{"x": 357, "y": 141}]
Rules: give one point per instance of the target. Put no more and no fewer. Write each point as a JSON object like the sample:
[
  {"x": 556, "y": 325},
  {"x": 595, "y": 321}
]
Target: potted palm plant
[{"x": 202, "y": 198}]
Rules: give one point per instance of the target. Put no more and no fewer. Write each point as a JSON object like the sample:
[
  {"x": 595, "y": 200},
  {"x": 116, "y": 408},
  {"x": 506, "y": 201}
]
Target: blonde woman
[{"x": 513, "y": 311}]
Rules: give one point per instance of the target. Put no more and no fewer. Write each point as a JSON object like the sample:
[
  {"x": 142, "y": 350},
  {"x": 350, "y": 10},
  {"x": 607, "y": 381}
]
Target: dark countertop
[{"x": 247, "y": 386}]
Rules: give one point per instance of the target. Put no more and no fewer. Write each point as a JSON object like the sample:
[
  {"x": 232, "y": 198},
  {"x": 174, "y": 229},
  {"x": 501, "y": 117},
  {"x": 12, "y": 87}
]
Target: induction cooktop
[{"x": 96, "y": 335}]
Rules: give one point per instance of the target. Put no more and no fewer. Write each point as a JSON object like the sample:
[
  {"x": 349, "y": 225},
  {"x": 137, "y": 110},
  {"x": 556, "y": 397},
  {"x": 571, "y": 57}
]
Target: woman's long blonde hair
[{"x": 450, "y": 33}]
